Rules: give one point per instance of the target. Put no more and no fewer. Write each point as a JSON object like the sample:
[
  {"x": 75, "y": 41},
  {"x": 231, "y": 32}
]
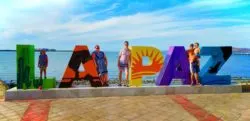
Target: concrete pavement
[{"x": 192, "y": 107}]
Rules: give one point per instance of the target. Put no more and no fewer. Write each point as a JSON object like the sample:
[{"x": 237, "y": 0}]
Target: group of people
[
  {"x": 194, "y": 63},
  {"x": 101, "y": 63}
]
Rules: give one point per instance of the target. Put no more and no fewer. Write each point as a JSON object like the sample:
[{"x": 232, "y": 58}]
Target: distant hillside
[{"x": 241, "y": 50}]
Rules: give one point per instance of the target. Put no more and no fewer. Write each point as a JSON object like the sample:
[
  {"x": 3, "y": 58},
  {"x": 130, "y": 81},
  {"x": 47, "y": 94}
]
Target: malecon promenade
[
  {"x": 178, "y": 107},
  {"x": 217, "y": 100}
]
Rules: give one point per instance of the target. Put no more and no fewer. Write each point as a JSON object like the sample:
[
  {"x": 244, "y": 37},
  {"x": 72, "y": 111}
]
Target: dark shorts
[
  {"x": 194, "y": 67},
  {"x": 102, "y": 73},
  {"x": 123, "y": 67},
  {"x": 43, "y": 67}
]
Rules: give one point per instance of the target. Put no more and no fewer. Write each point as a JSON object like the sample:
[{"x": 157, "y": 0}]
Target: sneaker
[
  {"x": 119, "y": 84},
  {"x": 192, "y": 84},
  {"x": 198, "y": 84},
  {"x": 125, "y": 85}
]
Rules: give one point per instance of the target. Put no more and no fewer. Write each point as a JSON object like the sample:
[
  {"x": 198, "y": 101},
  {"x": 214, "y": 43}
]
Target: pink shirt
[{"x": 125, "y": 54}]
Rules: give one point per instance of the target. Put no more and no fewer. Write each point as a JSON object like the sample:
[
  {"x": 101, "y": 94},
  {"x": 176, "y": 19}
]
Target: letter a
[
  {"x": 175, "y": 66},
  {"x": 80, "y": 56}
]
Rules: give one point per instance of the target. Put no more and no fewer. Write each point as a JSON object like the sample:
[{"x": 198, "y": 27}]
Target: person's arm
[
  {"x": 118, "y": 61},
  {"x": 38, "y": 62},
  {"x": 93, "y": 57},
  {"x": 197, "y": 52},
  {"x": 129, "y": 58},
  {"x": 187, "y": 54},
  {"x": 106, "y": 60}
]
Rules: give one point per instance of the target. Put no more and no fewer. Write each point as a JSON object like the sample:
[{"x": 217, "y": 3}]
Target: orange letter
[{"x": 80, "y": 56}]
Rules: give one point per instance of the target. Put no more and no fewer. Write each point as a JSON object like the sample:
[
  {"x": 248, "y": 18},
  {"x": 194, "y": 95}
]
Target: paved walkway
[{"x": 205, "y": 107}]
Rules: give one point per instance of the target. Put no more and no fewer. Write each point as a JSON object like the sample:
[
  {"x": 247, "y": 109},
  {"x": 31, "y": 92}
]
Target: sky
[{"x": 62, "y": 24}]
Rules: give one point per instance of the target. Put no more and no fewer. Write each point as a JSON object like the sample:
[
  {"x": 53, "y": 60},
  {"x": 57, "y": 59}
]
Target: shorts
[
  {"x": 123, "y": 67},
  {"x": 194, "y": 67},
  {"x": 102, "y": 73},
  {"x": 43, "y": 67}
]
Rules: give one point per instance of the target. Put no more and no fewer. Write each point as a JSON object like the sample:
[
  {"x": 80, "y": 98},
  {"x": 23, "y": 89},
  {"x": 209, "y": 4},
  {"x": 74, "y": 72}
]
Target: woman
[
  {"x": 123, "y": 63},
  {"x": 101, "y": 63}
]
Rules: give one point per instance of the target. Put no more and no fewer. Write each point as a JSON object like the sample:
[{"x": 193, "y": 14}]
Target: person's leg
[
  {"x": 45, "y": 72},
  {"x": 126, "y": 74},
  {"x": 105, "y": 79},
  {"x": 41, "y": 72},
  {"x": 41, "y": 79},
  {"x": 191, "y": 73},
  {"x": 196, "y": 76},
  {"x": 102, "y": 78},
  {"x": 120, "y": 78},
  {"x": 192, "y": 78}
]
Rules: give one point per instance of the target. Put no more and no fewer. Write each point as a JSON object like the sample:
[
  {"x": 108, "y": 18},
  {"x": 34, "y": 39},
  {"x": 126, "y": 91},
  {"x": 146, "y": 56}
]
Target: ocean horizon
[{"x": 236, "y": 66}]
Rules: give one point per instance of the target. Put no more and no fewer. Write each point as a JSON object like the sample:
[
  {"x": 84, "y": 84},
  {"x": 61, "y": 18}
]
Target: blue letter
[{"x": 219, "y": 55}]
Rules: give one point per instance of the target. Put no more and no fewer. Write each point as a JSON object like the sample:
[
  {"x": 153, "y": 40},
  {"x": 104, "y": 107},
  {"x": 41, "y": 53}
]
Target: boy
[{"x": 43, "y": 64}]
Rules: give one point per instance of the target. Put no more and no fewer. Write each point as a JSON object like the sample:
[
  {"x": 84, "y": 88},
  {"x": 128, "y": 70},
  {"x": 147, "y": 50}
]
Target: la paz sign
[{"x": 175, "y": 65}]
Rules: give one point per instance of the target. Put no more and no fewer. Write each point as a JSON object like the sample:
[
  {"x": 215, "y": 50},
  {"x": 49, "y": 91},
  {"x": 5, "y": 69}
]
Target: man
[
  {"x": 124, "y": 63},
  {"x": 196, "y": 63},
  {"x": 101, "y": 63},
  {"x": 191, "y": 57}
]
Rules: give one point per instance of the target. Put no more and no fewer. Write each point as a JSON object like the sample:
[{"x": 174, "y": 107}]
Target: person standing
[
  {"x": 101, "y": 63},
  {"x": 196, "y": 63},
  {"x": 42, "y": 64},
  {"x": 124, "y": 63},
  {"x": 191, "y": 57}
]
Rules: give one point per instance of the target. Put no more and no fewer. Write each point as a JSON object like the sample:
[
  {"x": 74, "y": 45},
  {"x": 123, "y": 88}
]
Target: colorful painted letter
[
  {"x": 25, "y": 66},
  {"x": 137, "y": 69},
  {"x": 80, "y": 56},
  {"x": 176, "y": 65},
  {"x": 219, "y": 55}
]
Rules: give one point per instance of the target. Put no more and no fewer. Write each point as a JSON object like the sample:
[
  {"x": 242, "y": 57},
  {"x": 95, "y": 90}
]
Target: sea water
[{"x": 236, "y": 66}]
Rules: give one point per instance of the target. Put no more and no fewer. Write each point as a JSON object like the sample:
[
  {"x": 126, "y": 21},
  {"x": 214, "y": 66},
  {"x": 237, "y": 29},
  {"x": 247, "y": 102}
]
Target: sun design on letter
[{"x": 155, "y": 62}]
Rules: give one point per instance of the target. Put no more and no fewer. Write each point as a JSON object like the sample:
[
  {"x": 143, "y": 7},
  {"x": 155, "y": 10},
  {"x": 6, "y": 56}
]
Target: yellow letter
[{"x": 137, "y": 69}]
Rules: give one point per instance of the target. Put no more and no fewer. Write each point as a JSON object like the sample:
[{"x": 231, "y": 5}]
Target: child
[{"x": 43, "y": 64}]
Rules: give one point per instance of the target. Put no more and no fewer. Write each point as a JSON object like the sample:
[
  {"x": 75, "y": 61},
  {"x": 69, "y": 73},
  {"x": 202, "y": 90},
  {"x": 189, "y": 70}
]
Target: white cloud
[
  {"x": 205, "y": 3},
  {"x": 47, "y": 24}
]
